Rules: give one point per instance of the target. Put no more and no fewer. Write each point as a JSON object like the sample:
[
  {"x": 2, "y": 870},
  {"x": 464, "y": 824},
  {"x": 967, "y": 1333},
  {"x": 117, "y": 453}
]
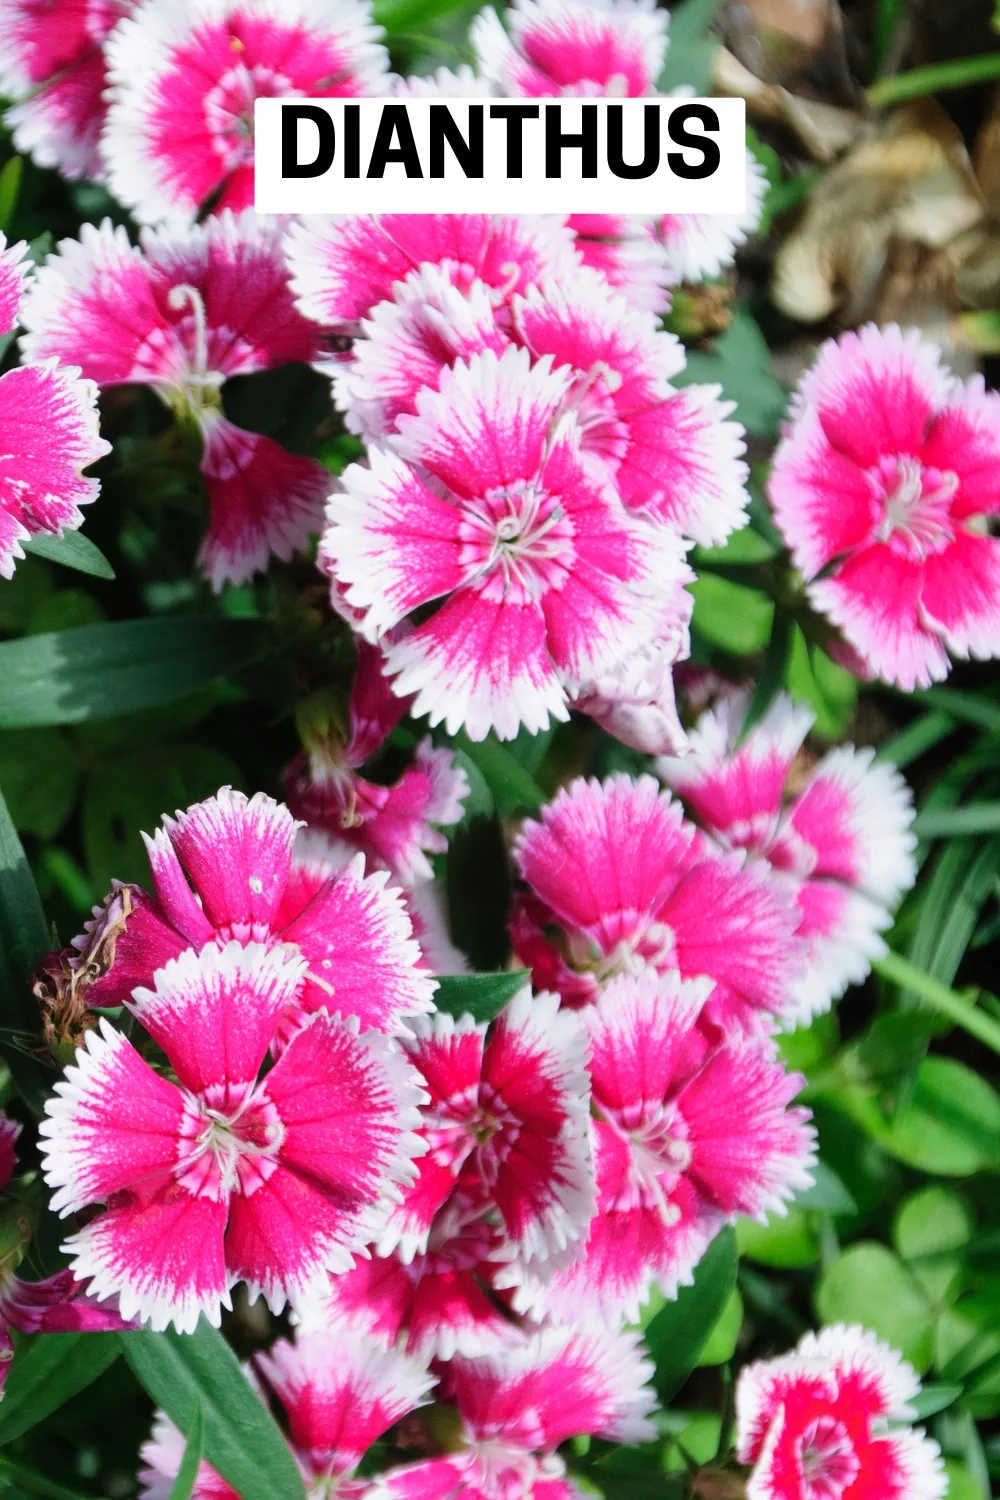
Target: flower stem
[
  {"x": 899, "y": 971},
  {"x": 956, "y": 74}
]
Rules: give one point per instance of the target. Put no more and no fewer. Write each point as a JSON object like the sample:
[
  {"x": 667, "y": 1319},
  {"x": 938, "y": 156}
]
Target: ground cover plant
[{"x": 499, "y": 793}]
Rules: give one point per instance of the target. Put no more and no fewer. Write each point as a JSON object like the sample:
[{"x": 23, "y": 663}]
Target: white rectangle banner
[{"x": 509, "y": 156}]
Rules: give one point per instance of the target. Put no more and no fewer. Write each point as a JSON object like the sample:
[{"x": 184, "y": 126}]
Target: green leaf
[
  {"x": 506, "y": 778},
  {"x": 689, "y": 56},
  {"x": 48, "y": 1369},
  {"x": 930, "y": 1231},
  {"x": 868, "y": 1284},
  {"x": 481, "y": 996},
  {"x": 99, "y": 671},
  {"x": 39, "y": 775},
  {"x": 772, "y": 673},
  {"x": 727, "y": 615},
  {"x": 741, "y": 363},
  {"x": 185, "y": 1371},
  {"x": 926, "y": 731},
  {"x": 10, "y": 186},
  {"x": 788, "y": 1242},
  {"x": 679, "y": 1332},
  {"x": 24, "y": 936},
  {"x": 721, "y": 1343},
  {"x": 187, "y": 1475},
  {"x": 830, "y": 691},
  {"x": 827, "y": 1195},
  {"x": 958, "y": 822},
  {"x": 951, "y": 1126},
  {"x": 73, "y": 550}
]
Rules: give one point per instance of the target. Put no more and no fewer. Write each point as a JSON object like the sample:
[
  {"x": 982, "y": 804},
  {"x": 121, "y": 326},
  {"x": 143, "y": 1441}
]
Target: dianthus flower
[
  {"x": 628, "y": 254},
  {"x": 540, "y": 577},
  {"x": 443, "y": 83},
  {"x": 343, "y": 266},
  {"x": 840, "y": 843},
  {"x": 179, "y": 138},
  {"x": 339, "y": 1395},
  {"x": 699, "y": 247},
  {"x": 519, "y": 1405},
  {"x": 350, "y": 929},
  {"x": 883, "y": 487},
  {"x": 687, "y": 1136},
  {"x": 223, "y": 1176},
  {"x": 634, "y": 699},
  {"x": 824, "y": 1423},
  {"x": 632, "y": 885},
  {"x": 507, "y": 1115},
  {"x": 60, "y": 1303},
  {"x": 54, "y": 55},
  {"x": 395, "y": 826},
  {"x": 48, "y": 434},
  {"x": 554, "y": 47},
  {"x": 183, "y": 314}
]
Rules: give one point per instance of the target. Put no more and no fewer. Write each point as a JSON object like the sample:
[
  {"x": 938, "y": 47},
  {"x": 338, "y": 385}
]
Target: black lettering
[
  {"x": 515, "y": 115},
  {"x": 556, "y": 141},
  {"x": 291, "y": 114},
  {"x": 352, "y": 140},
  {"x": 711, "y": 155},
  {"x": 650, "y": 143},
  {"x": 468, "y": 153},
  {"x": 394, "y": 122}
]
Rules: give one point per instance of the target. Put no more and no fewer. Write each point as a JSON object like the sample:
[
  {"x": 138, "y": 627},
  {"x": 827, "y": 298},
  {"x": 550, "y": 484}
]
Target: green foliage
[
  {"x": 481, "y": 996},
  {"x": 48, "y": 1369},
  {"x": 679, "y": 1332}
]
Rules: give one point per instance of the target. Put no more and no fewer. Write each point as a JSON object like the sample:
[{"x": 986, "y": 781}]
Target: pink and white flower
[
  {"x": 48, "y": 434},
  {"x": 443, "y": 83},
  {"x": 223, "y": 870},
  {"x": 884, "y": 486},
  {"x": 179, "y": 137},
  {"x": 826, "y": 1421},
  {"x": 633, "y": 886},
  {"x": 183, "y": 314},
  {"x": 518, "y": 1406},
  {"x": 553, "y": 47},
  {"x": 628, "y": 254},
  {"x": 699, "y": 247},
  {"x": 688, "y": 1136},
  {"x": 634, "y": 700},
  {"x": 224, "y": 1176},
  {"x": 52, "y": 62},
  {"x": 841, "y": 844},
  {"x": 541, "y": 579},
  {"x": 507, "y": 1119},
  {"x": 343, "y": 266}
]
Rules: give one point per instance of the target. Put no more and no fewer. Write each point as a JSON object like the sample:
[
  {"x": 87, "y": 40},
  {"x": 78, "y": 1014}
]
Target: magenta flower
[
  {"x": 223, "y": 1176},
  {"x": 500, "y": 519},
  {"x": 572, "y": 47},
  {"x": 179, "y": 137},
  {"x": 518, "y": 1406},
  {"x": 827, "y": 1420},
  {"x": 628, "y": 254},
  {"x": 883, "y": 488},
  {"x": 184, "y": 314},
  {"x": 840, "y": 846},
  {"x": 634, "y": 886},
  {"x": 48, "y": 434},
  {"x": 223, "y": 870},
  {"x": 52, "y": 61},
  {"x": 688, "y": 1136}
]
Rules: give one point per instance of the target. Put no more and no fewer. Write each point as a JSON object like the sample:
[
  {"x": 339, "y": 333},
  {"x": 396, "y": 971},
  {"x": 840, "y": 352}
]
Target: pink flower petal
[
  {"x": 822, "y": 500},
  {"x": 875, "y": 599},
  {"x": 12, "y": 272},
  {"x": 567, "y": 47},
  {"x": 237, "y": 851},
  {"x": 960, "y": 595},
  {"x": 146, "y": 941},
  {"x": 964, "y": 438}
]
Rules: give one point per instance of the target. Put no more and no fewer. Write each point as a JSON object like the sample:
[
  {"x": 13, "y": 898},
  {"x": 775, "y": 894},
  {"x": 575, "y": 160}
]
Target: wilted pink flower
[
  {"x": 343, "y": 266},
  {"x": 507, "y": 1117},
  {"x": 883, "y": 487},
  {"x": 519, "y": 1405},
  {"x": 628, "y": 254},
  {"x": 840, "y": 844},
  {"x": 553, "y": 47},
  {"x": 222, "y": 870},
  {"x": 825, "y": 1421},
  {"x": 179, "y": 139},
  {"x": 224, "y": 1177},
  {"x": 699, "y": 247},
  {"x": 52, "y": 62},
  {"x": 634, "y": 700},
  {"x": 540, "y": 577},
  {"x": 183, "y": 314},
  {"x": 634, "y": 886},
  {"x": 688, "y": 1136},
  {"x": 48, "y": 435}
]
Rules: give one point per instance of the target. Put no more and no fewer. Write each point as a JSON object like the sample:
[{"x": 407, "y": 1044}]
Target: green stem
[
  {"x": 931, "y": 80},
  {"x": 899, "y": 971}
]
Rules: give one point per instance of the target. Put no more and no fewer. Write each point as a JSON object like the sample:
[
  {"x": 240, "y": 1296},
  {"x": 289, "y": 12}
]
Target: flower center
[
  {"x": 916, "y": 504},
  {"x": 828, "y": 1461},
  {"x": 519, "y": 535},
  {"x": 229, "y": 1149},
  {"x": 229, "y": 108}
]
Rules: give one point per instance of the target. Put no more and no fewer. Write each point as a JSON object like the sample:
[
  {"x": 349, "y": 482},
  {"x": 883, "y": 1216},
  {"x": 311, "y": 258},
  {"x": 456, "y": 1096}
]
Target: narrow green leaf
[
  {"x": 187, "y": 1475},
  {"x": 772, "y": 673},
  {"x": 507, "y": 779},
  {"x": 689, "y": 56},
  {"x": 931, "y": 1399},
  {"x": 679, "y": 1332},
  {"x": 481, "y": 996},
  {"x": 916, "y": 739},
  {"x": 73, "y": 550},
  {"x": 48, "y": 1369},
  {"x": 100, "y": 671},
  {"x": 24, "y": 936},
  {"x": 399, "y": 16},
  {"x": 10, "y": 186},
  {"x": 241, "y": 1439},
  {"x": 972, "y": 708},
  {"x": 959, "y": 73},
  {"x": 948, "y": 1002},
  {"x": 958, "y": 822}
]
